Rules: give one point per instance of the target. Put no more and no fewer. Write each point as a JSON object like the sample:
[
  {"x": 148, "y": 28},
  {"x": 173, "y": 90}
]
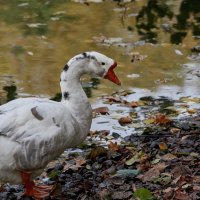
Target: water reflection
[
  {"x": 37, "y": 37},
  {"x": 11, "y": 91},
  {"x": 149, "y": 17},
  {"x": 11, "y": 94},
  {"x": 32, "y": 17}
]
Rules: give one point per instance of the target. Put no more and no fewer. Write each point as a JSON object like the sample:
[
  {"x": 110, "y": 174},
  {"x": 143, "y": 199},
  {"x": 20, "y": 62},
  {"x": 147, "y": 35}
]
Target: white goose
[{"x": 34, "y": 131}]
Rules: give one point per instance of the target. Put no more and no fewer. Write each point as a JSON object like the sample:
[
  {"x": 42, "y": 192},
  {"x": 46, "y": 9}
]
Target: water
[{"x": 150, "y": 40}]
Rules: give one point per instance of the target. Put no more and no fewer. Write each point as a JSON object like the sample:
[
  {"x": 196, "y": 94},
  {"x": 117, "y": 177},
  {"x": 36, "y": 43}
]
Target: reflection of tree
[
  {"x": 32, "y": 16},
  {"x": 149, "y": 17},
  {"x": 11, "y": 93},
  {"x": 189, "y": 17}
]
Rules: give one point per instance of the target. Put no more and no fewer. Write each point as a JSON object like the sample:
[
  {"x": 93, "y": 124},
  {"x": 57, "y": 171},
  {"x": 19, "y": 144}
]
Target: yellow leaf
[
  {"x": 149, "y": 121},
  {"x": 192, "y": 111}
]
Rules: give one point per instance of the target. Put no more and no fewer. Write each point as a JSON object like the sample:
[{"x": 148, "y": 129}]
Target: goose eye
[{"x": 103, "y": 63}]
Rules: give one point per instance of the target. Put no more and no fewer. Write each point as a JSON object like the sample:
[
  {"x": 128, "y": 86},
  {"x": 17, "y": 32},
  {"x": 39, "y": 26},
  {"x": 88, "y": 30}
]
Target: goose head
[{"x": 96, "y": 64}]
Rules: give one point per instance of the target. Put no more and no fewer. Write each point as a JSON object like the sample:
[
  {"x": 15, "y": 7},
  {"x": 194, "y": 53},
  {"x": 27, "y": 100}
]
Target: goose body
[{"x": 35, "y": 131}]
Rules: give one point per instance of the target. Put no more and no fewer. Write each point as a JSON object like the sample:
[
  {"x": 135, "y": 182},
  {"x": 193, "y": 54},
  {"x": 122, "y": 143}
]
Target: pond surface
[{"x": 151, "y": 41}]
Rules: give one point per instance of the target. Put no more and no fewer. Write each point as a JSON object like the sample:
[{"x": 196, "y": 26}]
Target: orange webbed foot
[{"x": 38, "y": 192}]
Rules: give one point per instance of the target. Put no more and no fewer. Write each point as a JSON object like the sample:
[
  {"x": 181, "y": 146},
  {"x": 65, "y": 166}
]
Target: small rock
[{"x": 125, "y": 120}]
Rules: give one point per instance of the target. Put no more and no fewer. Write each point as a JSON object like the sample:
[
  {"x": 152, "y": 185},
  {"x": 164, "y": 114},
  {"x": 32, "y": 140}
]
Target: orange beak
[{"x": 110, "y": 75}]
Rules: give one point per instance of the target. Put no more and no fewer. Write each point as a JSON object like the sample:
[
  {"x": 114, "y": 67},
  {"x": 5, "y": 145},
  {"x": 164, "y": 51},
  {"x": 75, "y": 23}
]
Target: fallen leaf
[
  {"x": 135, "y": 125},
  {"x": 162, "y": 119},
  {"x": 165, "y": 179},
  {"x": 186, "y": 186},
  {"x": 133, "y": 114},
  {"x": 121, "y": 195},
  {"x": 168, "y": 157},
  {"x": 171, "y": 110},
  {"x": 180, "y": 169},
  {"x": 192, "y": 111},
  {"x": 188, "y": 99},
  {"x": 163, "y": 146},
  {"x": 150, "y": 175},
  {"x": 175, "y": 130},
  {"x": 149, "y": 121},
  {"x": 104, "y": 194},
  {"x": 196, "y": 179},
  {"x": 97, "y": 151},
  {"x": 128, "y": 172},
  {"x": 143, "y": 194},
  {"x": 114, "y": 99},
  {"x": 101, "y": 110},
  {"x": 113, "y": 146},
  {"x": 134, "y": 159},
  {"x": 2, "y": 189},
  {"x": 80, "y": 162},
  {"x": 157, "y": 160},
  {"x": 125, "y": 120},
  {"x": 153, "y": 173},
  {"x": 135, "y": 104},
  {"x": 117, "y": 180},
  {"x": 168, "y": 193},
  {"x": 160, "y": 166},
  {"x": 180, "y": 195},
  {"x": 196, "y": 187},
  {"x": 175, "y": 181}
]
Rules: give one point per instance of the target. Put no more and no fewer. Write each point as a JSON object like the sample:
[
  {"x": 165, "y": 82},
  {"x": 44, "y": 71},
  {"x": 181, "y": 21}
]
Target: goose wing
[{"x": 43, "y": 128}]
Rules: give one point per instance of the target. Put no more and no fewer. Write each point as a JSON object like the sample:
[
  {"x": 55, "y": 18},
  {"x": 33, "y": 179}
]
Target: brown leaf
[
  {"x": 104, "y": 194},
  {"x": 150, "y": 175},
  {"x": 163, "y": 146},
  {"x": 175, "y": 130},
  {"x": 97, "y": 151},
  {"x": 180, "y": 195},
  {"x": 168, "y": 193},
  {"x": 160, "y": 166},
  {"x": 2, "y": 189},
  {"x": 196, "y": 188},
  {"x": 92, "y": 133},
  {"x": 180, "y": 169},
  {"x": 162, "y": 119},
  {"x": 154, "y": 172},
  {"x": 114, "y": 99},
  {"x": 101, "y": 110},
  {"x": 125, "y": 120},
  {"x": 113, "y": 146},
  {"x": 176, "y": 180},
  {"x": 80, "y": 162},
  {"x": 121, "y": 195},
  {"x": 133, "y": 104},
  {"x": 168, "y": 157},
  {"x": 196, "y": 179}
]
